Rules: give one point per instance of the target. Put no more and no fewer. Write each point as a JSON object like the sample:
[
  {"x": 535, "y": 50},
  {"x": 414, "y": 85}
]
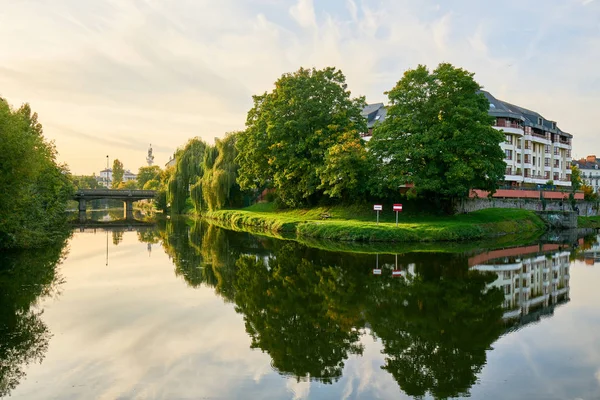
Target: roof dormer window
[{"x": 540, "y": 121}]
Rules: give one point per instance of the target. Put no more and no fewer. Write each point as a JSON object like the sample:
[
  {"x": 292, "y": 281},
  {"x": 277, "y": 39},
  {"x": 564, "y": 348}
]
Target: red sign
[
  {"x": 397, "y": 273},
  {"x": 397, "y": 207},
  {"x": 377, "y": 207}
]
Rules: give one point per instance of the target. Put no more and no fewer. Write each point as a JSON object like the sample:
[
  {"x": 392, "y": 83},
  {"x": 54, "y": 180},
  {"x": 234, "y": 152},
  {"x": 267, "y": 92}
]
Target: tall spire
[{"x": 150, "y": 157}]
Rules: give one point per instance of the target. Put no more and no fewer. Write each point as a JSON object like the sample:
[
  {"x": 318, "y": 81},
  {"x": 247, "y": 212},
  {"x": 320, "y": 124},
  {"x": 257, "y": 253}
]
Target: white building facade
[
  {"x": 106, "y": 177},
  {"x": 536, "y": 150}
]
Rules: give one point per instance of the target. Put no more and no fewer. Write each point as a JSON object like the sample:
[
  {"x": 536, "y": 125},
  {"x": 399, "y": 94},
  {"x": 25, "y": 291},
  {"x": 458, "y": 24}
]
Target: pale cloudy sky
[{"x": 111, "y": 77}]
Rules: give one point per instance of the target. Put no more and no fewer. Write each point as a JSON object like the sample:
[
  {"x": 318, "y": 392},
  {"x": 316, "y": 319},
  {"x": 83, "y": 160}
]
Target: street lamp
[{"x": 107, "y": 171}]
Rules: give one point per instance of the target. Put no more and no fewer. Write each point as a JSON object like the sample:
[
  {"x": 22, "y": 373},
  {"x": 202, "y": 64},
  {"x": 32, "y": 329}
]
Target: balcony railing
[{"x": 507, "y": 124}]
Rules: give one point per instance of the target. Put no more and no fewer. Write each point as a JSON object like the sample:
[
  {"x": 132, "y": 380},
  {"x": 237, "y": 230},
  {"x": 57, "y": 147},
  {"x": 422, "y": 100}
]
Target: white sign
[
  {"x": 377, "y": 207},
  {"x": 397, "y": 207},
  {"x": 397, "y": 273},
  {"x": 376, "y": 272}
]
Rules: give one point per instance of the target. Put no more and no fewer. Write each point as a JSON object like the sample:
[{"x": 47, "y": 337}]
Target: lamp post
[{"x": 107, "y": 171}]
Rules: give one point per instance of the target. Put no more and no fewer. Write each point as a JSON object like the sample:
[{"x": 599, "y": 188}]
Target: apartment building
[
  {"x": 590, "y": 171},
  {"x": 536, "y": 150},
  {"x": 530, "y": 282}
]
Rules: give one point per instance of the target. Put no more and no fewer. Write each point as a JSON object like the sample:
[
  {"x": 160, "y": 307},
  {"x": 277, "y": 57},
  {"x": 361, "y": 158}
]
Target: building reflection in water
[{"x": 533, "y": 283}]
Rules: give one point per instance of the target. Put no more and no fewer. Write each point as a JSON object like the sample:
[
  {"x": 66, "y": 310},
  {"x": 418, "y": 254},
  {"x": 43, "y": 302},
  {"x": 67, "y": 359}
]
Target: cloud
[{"x": 161, "y": 72}]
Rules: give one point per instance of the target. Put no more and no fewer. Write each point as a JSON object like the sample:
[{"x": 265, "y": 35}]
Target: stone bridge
[{"x": 126, "y": 196}]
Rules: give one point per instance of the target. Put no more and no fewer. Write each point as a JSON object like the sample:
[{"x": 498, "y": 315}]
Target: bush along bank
[{"x": 345, "y": 224}]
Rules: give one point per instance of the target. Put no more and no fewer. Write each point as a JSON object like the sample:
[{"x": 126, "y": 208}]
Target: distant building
[
  {"x": 590, "y": 171},
  {"x": 106, "y": 177},
  {"x": 171, "y": 163},
  {"x": 535, "y": 149}
]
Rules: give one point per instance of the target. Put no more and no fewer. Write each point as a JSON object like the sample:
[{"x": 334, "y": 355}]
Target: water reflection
[
  {"x": 436, "y": 314},
  {"x": 25, "y": 278},
  {"x": 314, "y": 314}
]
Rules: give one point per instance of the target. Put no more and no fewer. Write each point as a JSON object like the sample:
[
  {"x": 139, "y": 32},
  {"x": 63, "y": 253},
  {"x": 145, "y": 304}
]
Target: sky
[{"x": 112, "y": 77}]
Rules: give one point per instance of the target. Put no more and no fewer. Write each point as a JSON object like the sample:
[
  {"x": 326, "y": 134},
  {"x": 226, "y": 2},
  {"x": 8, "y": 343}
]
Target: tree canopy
[
  {"x": 146, "y": 174},
  {"x": 291, "y": 130},
  {"x": 438, "y": 136},
  {"x": 34, "y": 189}
]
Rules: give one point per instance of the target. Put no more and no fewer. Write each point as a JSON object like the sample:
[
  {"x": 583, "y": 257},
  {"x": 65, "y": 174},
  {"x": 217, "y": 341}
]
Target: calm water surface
[{"x": 191, "y": 311}]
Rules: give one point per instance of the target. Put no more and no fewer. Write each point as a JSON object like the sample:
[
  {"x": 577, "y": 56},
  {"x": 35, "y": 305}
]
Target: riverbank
[
  {"x": 588, "y": 222},
  {"x": 354, "y": 224}
]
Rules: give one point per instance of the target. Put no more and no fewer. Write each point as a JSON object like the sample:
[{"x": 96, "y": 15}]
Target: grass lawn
[
  {"x": 589, "y": 222},
  {"x": 357, "y": 223}
]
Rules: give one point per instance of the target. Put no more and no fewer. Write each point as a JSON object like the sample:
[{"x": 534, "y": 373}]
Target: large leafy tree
[
  {"x": 34, "y": 189},
  {"x": 438, "y": 136},
  {"x": 290, "y": 131}
]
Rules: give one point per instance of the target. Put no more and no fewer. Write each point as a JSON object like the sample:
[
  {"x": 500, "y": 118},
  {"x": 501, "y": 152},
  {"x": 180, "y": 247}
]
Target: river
[{"x": 184, "y": 310}]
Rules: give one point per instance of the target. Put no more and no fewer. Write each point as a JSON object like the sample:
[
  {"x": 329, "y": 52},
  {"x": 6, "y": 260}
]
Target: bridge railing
[{"x": 115, "y": 192}]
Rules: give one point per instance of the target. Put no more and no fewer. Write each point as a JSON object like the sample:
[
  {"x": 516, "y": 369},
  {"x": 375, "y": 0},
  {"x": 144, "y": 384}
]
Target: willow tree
[
  {"x": 220, "y": 188},
  {"x": 185, "y": 182}
]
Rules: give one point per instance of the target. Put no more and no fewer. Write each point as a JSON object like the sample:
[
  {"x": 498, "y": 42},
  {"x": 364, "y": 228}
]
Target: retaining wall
[{"x": 586, "y": 208}]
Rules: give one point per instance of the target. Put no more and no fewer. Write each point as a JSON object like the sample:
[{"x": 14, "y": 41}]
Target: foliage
[
  {"x": 185, "y": 181},
  {"x": 219, "y": 186},
  {"x": 85, "y": 182},
  {"x": 146, "y": 174},
  {"x": 33, "y": 189},
  {"x": 438, "y": 136},
  {"x": 576, "y": 181},
  {"x": 117, "y": 173},
  {"x": 291, "y": 129},
  {"x": 130, "y": 185},
  {"x": 588, "y": 193},
  {"x": 152, "y": 184}
]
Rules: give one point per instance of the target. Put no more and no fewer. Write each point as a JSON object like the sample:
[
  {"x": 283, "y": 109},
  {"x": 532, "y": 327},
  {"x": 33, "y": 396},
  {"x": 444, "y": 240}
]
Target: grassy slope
[
  {"x": 357, "y": 223},
  {"x": 588, "y": 222}
]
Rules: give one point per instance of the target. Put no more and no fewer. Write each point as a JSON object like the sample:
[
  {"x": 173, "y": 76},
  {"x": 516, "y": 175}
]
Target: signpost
[
  {"x": 397, "y": 208},
  {"x": 397, "y": 274},
  {"x": 377, "y": 207}
]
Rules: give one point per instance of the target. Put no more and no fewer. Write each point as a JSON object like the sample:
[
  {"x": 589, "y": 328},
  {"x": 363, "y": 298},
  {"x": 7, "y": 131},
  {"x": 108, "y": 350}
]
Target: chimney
[{"x": 591, "y": 159}]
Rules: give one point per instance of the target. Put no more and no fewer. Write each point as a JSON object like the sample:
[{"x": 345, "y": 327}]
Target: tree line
[{"x": 303, "y": 145}]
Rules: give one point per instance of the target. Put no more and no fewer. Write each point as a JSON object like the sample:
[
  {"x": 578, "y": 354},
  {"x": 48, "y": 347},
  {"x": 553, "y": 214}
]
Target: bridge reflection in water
[{"x": 126, "y": 196}]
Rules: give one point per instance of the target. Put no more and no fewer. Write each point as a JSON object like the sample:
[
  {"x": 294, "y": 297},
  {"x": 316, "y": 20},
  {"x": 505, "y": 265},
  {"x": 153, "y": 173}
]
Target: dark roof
[
  {"x": 374, "y": 113},
  {"x": 585, "y": 164},
  {"x": 499, "y": 108}
]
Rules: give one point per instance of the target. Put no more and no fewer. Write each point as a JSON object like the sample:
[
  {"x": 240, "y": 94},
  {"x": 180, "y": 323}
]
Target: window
[
  {"x": 509, "y": 139},
  {"x": 506, "y": 274},
  {"x": 508, "y": 154},
  {"x": 547, "y": 149},
  {"x": 556, "y": 163},
  {"x": 518, "y": 158},
  {"x": 508, "y": 171},
  {"x": 546, "y": 162},
  {"x": 540, "y": 121},
  {"x": 507, "y": 289}
]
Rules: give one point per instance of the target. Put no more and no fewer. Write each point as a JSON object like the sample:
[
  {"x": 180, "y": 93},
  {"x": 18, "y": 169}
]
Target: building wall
[{"x": 533, "y": 156}]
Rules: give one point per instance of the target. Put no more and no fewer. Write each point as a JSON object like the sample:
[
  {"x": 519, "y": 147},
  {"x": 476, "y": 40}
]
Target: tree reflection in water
[
  {"x": 307, "y": 307},
  {"x": 25, "y": 278}
]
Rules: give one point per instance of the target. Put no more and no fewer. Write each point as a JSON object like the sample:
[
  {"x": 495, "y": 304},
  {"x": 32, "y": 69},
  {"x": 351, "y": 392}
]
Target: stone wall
[
  {"x": 559, "y": 219},
  {"x": 586, "y": 208}
]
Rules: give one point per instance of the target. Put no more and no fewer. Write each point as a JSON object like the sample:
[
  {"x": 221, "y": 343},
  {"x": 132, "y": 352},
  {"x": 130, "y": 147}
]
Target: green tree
[
  {"x": 576, "y": 181},
  {"x": 85, "y": 181},
  {"x": 186, "y": 180},
  {"x": 146, "y": 174},
  {"x": 289, "y": 131},
  {"x": 438, "y": 136},
  {"x": 117, "y": 173},
  {"x": 131, "y": 185},
  {"x": 34, "y": 189},
  {"x": 220, "y": 187}
]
